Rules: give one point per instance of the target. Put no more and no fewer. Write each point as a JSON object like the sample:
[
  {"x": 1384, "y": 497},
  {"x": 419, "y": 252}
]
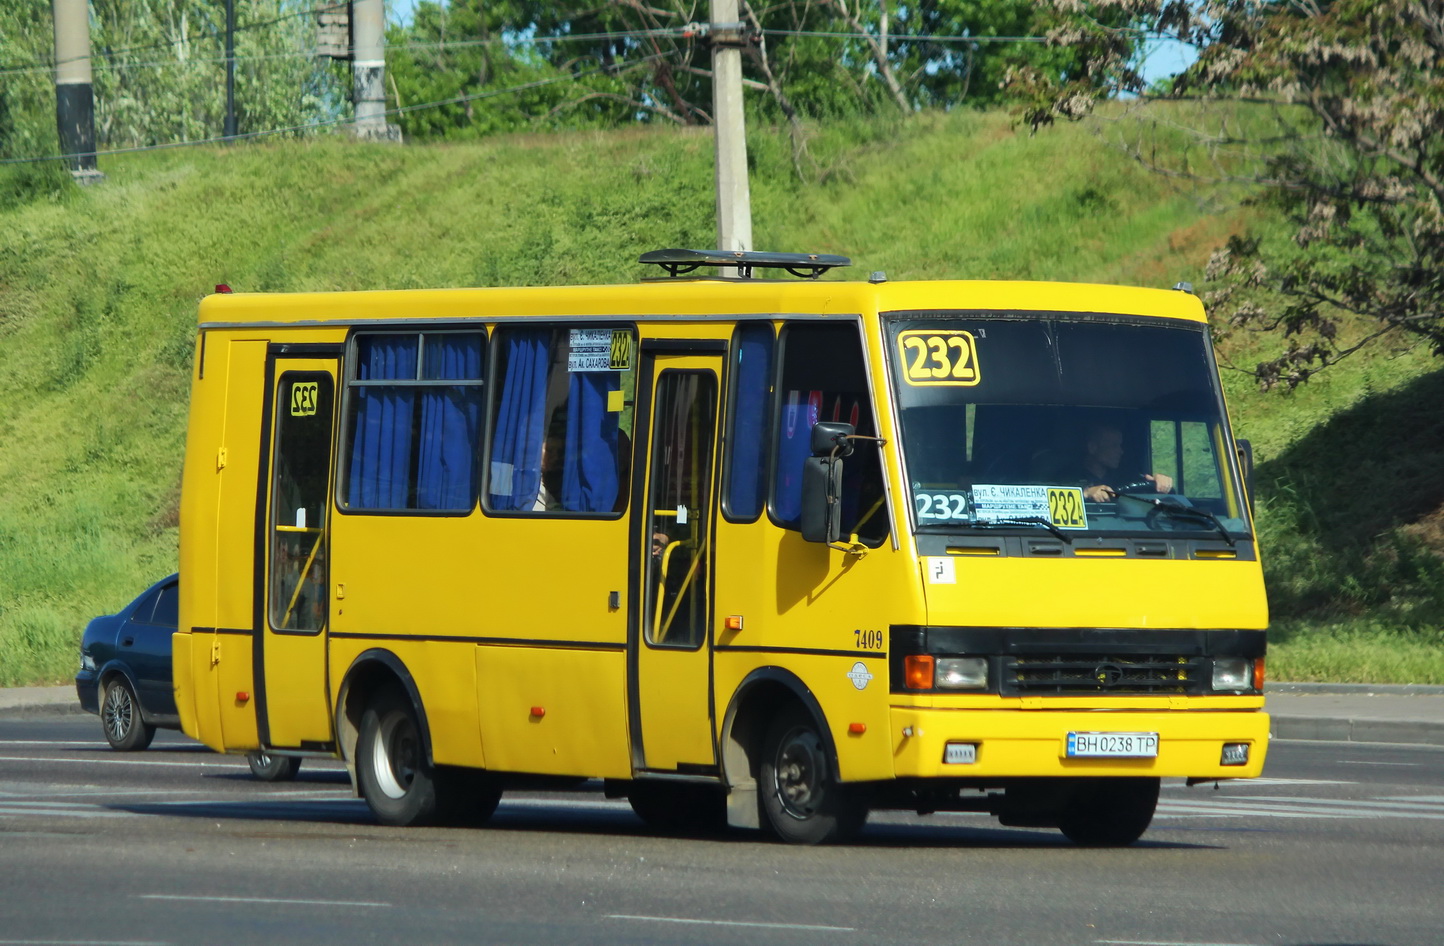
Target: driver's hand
[
  {"x": 1099, "y": 494},
  {"x": 1162, "y": 482}
]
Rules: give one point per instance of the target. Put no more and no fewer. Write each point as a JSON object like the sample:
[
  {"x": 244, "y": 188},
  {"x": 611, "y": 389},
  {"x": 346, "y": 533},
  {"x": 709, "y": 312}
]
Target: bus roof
[{"x": 691, "y": 298}]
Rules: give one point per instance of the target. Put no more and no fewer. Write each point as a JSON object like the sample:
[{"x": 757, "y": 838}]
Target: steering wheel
[{"x": 1138, "y": 486}]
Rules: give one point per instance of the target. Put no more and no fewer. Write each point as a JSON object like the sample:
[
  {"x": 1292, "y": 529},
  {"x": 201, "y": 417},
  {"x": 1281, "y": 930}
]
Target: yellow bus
[{"x": 770, "y": 551}]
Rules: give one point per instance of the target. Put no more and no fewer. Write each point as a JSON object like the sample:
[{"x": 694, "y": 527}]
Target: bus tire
[
  {"x": 397, "y": 781},
  {"x": 272, "y": 768},
  {"x": 1109, "y": 812},
  {"x": 120, "y": 717},
  {"x": 800, "y": 798}
]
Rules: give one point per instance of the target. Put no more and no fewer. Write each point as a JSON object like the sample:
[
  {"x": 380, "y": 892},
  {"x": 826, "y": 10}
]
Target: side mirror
[
  {"x": 821, "y": 511},
  {"x": 830, "y": 435},
  {"x": 822, "y": 481},
  {"x": 1245, "y": 464}
]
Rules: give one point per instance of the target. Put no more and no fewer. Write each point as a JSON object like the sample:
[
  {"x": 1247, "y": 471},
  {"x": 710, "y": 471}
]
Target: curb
[{"x": 1396, "y": 731}]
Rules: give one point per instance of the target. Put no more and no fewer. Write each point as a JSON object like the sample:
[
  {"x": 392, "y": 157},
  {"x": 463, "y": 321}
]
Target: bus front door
[
  {"x": 293, "y": 701},
  {"x": 670, "y": 649}
]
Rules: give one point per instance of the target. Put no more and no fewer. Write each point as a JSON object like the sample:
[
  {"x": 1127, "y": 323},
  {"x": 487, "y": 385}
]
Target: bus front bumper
[{"x": 986, "y": 744}]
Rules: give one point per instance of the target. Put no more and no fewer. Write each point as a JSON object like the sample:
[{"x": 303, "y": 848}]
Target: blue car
[{"x": 125, "y": 672}]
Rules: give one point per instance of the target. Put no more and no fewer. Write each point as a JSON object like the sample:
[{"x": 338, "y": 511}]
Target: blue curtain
[
  {"x": 747, "y": 469},
  {"x": 800, "y": 412},
  {"x": 589, "y": 473},
  {"x": 446, "y": 468},
  {"x": 520, "y": 421},
  {"x": 381, "y": 443}
]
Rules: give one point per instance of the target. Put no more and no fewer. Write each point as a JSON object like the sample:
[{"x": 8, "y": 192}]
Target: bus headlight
[
  {"x": 1232, "y": 673},
  {"x": 962, "y": 673}
]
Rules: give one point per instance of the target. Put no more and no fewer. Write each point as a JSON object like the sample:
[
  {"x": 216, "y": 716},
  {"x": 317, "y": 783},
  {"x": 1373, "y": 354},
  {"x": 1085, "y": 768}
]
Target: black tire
[
  {"x": 679, "y": 808},
  {"x": 1109, "y": 812},
  {"x": 120, "y": 718},
  {"x": 397, "y": 781},
  {"x": 800, "y": 798},
  {"x": 273, "y": 768}
]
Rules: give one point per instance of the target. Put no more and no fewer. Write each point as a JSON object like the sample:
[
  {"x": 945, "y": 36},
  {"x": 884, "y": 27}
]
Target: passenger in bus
[
  {"x": 548, "y": 494},
  {"x": 1102, "y": 458}
]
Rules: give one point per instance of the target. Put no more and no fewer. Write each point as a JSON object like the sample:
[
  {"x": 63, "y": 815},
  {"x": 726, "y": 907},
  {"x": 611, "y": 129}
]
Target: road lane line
[
  {"x": 272, "y": 900},
  {"x": 769, "y": 926},
  {"x": 204, "y": 765},
  {"x": 81, "y": 942}
]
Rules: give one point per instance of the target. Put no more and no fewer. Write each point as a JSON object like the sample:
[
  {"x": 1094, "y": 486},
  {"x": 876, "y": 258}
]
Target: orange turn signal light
[
  {"x": 1258, "y": 674},
  {"x": 918, "y": 671},
  {"x": 538, "y": 711},
  {"x": 734, "y": 622},
  {"x": 243, "y": 697},
  {"x": 857, "y": 729}
]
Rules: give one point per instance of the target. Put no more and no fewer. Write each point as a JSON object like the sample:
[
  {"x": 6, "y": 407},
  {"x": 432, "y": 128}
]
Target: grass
[{"x": 98, "y": 289}]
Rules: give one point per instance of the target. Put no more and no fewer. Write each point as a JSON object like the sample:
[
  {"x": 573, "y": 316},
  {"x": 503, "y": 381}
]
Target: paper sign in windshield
[
  {"x": 1060, "y": 505},
  {"x": 599, "y": 349}
]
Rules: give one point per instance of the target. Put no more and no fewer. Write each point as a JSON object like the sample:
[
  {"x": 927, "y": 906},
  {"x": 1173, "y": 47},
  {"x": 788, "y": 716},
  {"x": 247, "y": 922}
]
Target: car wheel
[
  {"x": 1109, "y": 812},
  {"x": 273, "y": 768},
  {"x": 120, "y": 716},
  {"x": 801, "y": 800}
]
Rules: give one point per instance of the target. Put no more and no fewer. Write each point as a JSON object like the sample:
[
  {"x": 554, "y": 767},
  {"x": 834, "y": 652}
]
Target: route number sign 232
[{"x": 937, "y": 357}]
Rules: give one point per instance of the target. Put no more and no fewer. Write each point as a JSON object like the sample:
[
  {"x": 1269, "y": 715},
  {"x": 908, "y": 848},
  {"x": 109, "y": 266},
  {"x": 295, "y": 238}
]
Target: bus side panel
[
  {"x": 493, "y": 582},
  {"x": 554, "y": 712},
  {"x": 821, "y": 616}
]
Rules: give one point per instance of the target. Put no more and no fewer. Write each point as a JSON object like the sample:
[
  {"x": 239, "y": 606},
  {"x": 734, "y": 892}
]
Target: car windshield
[{"x": 1069, "y": 423}]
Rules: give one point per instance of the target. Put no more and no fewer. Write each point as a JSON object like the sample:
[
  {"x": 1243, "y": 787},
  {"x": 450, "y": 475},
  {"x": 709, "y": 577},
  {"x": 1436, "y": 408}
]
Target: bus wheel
[
  {"x": 273, "y": 768},
  {"x": 120, "y": 714},
  {"x": 679, "y": 808},
  {"x": 802, "y": 802},
  {"x": 1109, "y": 812},
  {"x": 399, "y": 785}
]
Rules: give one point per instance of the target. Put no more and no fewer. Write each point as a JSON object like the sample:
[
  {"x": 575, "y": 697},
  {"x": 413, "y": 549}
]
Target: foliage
[
  {"x": 624, "y": 62},
  {"x": 159, "y": 68},
  {"x": 1349, "y": 151}
]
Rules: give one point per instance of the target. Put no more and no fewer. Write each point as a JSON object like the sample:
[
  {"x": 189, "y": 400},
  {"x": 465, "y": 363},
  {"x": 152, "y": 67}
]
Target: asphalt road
[{"x": 1339, "y": 844}]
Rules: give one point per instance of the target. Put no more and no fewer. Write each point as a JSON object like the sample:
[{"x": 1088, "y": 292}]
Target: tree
[
  {"x": 1337, "y": 118},
  {"x": 631, "y": 61}
]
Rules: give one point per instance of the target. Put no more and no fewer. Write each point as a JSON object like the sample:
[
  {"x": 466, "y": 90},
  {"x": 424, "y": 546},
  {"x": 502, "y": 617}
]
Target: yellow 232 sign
[{"x": 939, "y": 358}]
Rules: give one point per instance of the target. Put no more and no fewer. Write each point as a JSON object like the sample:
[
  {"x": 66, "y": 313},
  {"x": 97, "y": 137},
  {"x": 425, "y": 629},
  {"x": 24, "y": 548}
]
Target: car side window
[{"x": 167, "y": 606}]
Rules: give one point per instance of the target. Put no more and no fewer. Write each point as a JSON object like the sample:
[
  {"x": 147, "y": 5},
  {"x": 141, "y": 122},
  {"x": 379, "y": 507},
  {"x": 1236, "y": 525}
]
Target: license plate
[
  {"x": 1112, "y": 745},
  {"x": 960, "y": 753}
]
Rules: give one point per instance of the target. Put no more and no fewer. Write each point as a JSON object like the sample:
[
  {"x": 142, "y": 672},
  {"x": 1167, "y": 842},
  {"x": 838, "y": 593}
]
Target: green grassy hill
[{"x": 98, "y": 289}]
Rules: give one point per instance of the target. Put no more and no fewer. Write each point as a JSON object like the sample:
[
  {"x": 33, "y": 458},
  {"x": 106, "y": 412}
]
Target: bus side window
[
  {"x": 560, "y": 434},
  {"x": 415, "y": 412},
  {"x": 750, "y": 408},
  {"x": 823, "y": 378}
]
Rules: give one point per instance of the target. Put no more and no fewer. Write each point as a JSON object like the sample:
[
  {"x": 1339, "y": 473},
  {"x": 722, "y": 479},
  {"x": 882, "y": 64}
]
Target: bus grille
[{"x": 1103, "y": 673}]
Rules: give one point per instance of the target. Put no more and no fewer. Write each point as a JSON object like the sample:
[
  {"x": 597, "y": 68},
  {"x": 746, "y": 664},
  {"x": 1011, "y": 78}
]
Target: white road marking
[
  {"x": 769, "y": 926},
  {"x": 304, "y": 903},
  {"x": 241, "y": 764}
]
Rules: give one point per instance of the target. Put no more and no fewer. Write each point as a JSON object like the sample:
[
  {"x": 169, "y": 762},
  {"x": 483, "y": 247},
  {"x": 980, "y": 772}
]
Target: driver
[{"x": 1102, "y": 455}]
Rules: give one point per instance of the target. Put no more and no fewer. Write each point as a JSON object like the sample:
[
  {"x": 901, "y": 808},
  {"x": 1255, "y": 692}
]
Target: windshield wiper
[
  {"x": 1022, "y": 521},
  {"x": 1178, "y": 509}
]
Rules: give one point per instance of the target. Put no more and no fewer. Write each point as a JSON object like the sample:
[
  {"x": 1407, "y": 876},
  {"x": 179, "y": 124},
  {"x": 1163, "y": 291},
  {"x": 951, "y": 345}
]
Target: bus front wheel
[
  {"x": 1109, "y": 812},
  {"x": 398, "y": 782},
  {"x": 801, "y": 800}
]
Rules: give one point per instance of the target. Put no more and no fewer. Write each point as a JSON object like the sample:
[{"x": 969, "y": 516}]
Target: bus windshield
[{"x": 1072, "y": 423}]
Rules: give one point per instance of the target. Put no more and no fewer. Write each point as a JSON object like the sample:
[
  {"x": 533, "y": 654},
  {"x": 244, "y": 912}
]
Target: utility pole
[
  {"x": 734, "y": 200},
  {"x": 368, "y": 71},
  {"x": 230, "y": 68},
  {"x": 74, "y": 94}
]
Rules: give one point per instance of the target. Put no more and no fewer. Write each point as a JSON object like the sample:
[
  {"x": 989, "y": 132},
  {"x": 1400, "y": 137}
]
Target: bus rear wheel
[
  {"x": 397, "y": 781},
  {"x": 1109, "y": 812},
  {"x": 801, "y": 800}
]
